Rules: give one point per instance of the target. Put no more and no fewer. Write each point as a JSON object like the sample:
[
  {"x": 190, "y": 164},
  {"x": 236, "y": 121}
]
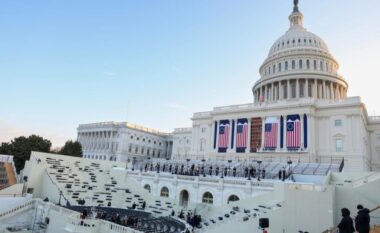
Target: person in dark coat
[
  {"x": 362, "y": 220},
  {"x": 346, "y": 225}
]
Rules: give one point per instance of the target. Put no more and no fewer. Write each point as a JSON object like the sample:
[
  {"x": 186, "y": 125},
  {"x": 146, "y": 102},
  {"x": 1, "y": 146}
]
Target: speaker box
[{"x": 264, "y": 222}]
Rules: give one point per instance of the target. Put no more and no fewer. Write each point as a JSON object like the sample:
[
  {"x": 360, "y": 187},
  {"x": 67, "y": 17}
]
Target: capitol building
[
  {"x": 300, "y": 112},
  {"x": 287, "y": 162}
]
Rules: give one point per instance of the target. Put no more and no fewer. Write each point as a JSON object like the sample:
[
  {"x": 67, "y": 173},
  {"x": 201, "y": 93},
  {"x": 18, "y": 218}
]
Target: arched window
[
  {"x": 274, "y": 69},
  {"x": 147, "y": 187},
  {"x": 233, "y": 198},
  {"x": 300, "y": 64},
  {"x": 207, "y": 198},
  {"x": 269, "y": 70},
  {"x": 286, "y": 65},
  {"x": 321, "y": 65},
  {"x": 164, "y": 192},
  {"x": 279, "y": 67},
  {"x": 307, "y": 64},
  {"x": 315, "y": 64},
  {"x": 293, "y": 64}
]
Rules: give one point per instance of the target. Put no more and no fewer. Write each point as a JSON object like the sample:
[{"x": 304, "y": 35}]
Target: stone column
[
  {"x": 297, "y": 88},
  {"x": 284, "y": 134},
  {"x": 278, "y": 134},
  {"x": 262, "y": 132},
  {"x": 280, "y": 91},
  {"x": 332, "y": 94},
  {"x": 229, "y": 148},
  {"x": 324, "y": 92},
  {"x": 288, "y": 87},
  {"x": 306, "y": 85},
  {"x": 315, "y": 89},
  {"x": 249, "y": 137},
  {"x": 217, "y": 136},
  {"x": 301, "y": 120},
  {"x": 272, "y": 92}
]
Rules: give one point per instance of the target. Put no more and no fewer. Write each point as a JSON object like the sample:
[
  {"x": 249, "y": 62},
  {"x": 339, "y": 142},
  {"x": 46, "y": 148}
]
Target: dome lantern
[{"x": 296, "y": 18}]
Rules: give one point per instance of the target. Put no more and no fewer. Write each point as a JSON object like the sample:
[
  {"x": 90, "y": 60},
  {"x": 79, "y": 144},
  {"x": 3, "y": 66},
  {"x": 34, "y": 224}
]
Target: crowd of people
[
  {"x": 248, "y": 171},
  {"x": 192, "y": 219},
  {"x": 361, "y": 223},
  {"x": 114, "y": 217}
]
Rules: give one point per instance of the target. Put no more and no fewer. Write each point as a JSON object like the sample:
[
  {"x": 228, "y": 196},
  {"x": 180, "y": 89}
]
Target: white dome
[
  {"x": 298, "y": 38},
  {"x": 299, "y": 65}
]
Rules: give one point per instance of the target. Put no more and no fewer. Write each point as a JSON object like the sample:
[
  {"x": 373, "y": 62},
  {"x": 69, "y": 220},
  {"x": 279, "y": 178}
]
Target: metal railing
[{"x": 336, "y": 230}]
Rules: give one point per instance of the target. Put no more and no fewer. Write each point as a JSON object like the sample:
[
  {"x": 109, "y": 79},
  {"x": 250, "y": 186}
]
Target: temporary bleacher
[{"x": 88, "y": 183}]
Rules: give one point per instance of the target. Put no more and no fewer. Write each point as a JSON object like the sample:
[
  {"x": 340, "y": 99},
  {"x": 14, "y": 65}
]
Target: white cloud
[
  {"x": 174, "y": 105},
  {"x": 9, "y": 131}
]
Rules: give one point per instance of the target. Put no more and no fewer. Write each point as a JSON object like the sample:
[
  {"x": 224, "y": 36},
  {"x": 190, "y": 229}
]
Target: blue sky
[{"x": 154, "y": 63}]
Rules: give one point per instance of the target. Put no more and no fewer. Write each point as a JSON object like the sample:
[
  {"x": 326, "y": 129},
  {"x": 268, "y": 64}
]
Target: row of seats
[
  {"x": 145, "y": 222},
  {"x": 87, "y": 184}
]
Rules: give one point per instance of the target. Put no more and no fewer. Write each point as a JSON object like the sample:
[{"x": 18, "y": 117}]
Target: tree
[
  {"x": 21, "y": 147},
  {"x": 72, "y": 148}
]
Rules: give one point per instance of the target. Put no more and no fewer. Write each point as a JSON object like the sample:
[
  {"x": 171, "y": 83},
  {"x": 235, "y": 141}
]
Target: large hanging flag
[
  {"x": 224, "y": 133},
  {"x": 270, "y": 134},
  {"x": 293, "y": 132},
  {"x": 256, "y": 131},
  {"x": 241, "y": 135}
]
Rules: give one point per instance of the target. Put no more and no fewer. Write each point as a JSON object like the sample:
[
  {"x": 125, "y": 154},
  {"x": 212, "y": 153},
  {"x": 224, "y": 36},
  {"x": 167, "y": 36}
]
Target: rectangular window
[
  {"x": 294, "y": 89},
  {"x": 338, "y": 145},
  {"x": 203, "y": 130},
  {"x": 302, "y": 89},
  {"x": 285, "y": 86},
  {"x": 338, "y": 122},
  {"x": 310, "y": 89}
]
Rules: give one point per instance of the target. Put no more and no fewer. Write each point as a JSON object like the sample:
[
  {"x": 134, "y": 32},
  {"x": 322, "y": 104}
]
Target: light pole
[
  {"x": 187, "y": 165},
  {"x": 259, "y": 172},
  {"x": 290, "y": 167},
  {"x": 204, "y": 168},
  {"x": 133, "y": 163},
  {"x": 229, "y": 167},
  {"x": 60, "y": 195}
]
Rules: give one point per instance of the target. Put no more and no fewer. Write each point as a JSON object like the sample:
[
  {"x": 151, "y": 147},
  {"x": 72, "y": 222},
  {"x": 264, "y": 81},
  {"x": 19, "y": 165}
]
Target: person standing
[
  {"x": 346, "y": 225},
  {"x": 362, "y": 220}
]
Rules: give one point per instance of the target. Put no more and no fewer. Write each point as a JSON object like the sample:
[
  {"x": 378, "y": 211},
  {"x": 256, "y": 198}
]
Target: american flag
[
  {"x": 241, "y": 133},
  {"x": 224, "y": 130},
  {"x": 270, "y": 135},
  {"x": 293, "y": 132}
]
